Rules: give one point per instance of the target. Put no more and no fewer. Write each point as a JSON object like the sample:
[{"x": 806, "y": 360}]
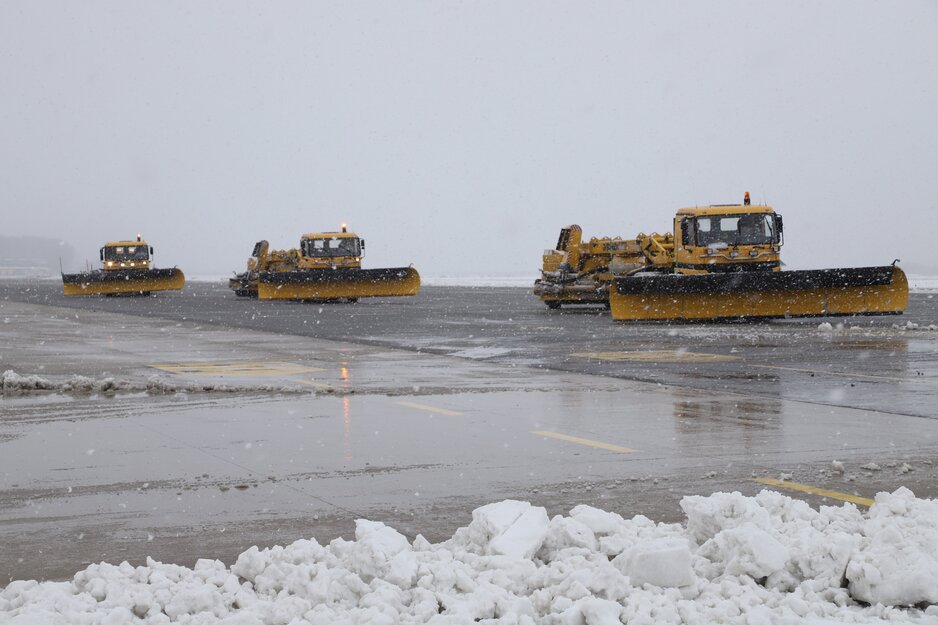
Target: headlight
[
  {"x": 734, "y": 254},
  {"x": 753, "y": 252}
]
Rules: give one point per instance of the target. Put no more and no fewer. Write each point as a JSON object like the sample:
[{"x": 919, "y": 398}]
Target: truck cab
[
  {"x": 321, "y": 250},
  {"x": 727, "y": 238},
  {"x": 118, "y": 255}
]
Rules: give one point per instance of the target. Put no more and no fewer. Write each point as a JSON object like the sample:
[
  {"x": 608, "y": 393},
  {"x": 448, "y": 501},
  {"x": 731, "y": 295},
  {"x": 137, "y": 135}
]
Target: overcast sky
[{"x": 461, "y": 136}]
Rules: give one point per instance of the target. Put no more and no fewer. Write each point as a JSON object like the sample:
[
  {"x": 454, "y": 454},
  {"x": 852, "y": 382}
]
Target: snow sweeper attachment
[
  {"x": 326, "y": 267},
  {"x": 577, "y": 272},
  {"x": 727, "y": 265},
  {"x": 765, "y": 294},
  {"x": 126, "y": 270}
]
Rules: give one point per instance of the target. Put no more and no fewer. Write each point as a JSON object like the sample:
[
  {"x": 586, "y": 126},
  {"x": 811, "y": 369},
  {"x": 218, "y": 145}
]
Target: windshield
[
  {"x": 126, "y": 252},
  {"x": 758, "y": 229},
  {"x": 331, "y": 247}
]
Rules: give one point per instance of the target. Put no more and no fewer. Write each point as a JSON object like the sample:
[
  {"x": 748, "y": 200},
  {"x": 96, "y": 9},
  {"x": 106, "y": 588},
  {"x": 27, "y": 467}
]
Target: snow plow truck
[
  {"x": 125, "y": 270},
  {"x": 724, "y": 262},
  {"x": 326, "y": 267}
]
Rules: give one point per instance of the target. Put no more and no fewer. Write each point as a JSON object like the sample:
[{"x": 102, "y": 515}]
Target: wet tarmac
[{"x": 298, "y": 418}]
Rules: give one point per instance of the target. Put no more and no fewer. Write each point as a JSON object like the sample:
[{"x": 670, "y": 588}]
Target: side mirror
[
  {"x": 101, "y": 252},
  {"x": 686, "y": 238},
  {"x": 363, "y": 243},
  {"x": 779, "y": 227},
  {"x": 151, "y": 250}
]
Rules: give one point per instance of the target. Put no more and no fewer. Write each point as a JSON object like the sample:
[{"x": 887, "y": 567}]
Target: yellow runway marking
[
  {"x": 845, "y": 375},
  {"x": 236, "y": 368},
  {"x": 675, "y": 355},
  {"x": 583, "y": 441},
  {"x": 444, "y": 411},
  {"x": 821, "y": 492}
]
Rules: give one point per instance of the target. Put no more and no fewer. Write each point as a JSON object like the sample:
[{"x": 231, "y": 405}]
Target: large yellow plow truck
[
  {"x": 724, "y": 262},
  {"x": 125, "y": 270},
  {"x": 326, "y": 267}
]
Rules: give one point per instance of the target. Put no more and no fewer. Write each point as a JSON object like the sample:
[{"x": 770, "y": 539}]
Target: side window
[
  {"x": 687, "y": 232},
  {"x": 769, "y": 226}
]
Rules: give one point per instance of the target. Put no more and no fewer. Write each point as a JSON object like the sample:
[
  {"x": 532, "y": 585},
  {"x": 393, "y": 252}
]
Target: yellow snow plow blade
[
  {"x": 123, "y": 282},
  {"x": 771, "y": 294},
  {"x": 340, "y": 283}
]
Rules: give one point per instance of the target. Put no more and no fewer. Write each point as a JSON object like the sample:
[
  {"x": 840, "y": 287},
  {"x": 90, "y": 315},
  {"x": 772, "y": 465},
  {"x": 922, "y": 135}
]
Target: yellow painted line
[
  {"x": 811, "y": 490},
  {"x": 444, "y": 411},
  {"x": 236, "y": 368},
  {"x": 672, "y": 355},
  {"x": 845, "y": 375},
  {"x": 583, "y": 441}
]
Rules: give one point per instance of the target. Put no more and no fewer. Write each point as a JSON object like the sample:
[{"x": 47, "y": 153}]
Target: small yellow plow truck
[{"x": 125, "y": 270}]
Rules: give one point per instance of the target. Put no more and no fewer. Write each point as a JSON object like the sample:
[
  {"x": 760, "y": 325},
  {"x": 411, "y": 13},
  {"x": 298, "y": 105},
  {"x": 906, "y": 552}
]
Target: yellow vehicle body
[
  {"x": 578, "y": 272},
  {"x": 727, "y": 265},
  {"x": 126, "y": 270},
  {"x": 326, "y": 267}
]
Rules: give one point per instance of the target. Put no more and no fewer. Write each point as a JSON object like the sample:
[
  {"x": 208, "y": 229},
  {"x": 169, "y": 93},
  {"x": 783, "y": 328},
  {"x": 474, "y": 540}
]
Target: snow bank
[
  {"x": 898, "y": 560},
  {"x": 747, "y": 560},
  {"x": 12, "y": 383}
]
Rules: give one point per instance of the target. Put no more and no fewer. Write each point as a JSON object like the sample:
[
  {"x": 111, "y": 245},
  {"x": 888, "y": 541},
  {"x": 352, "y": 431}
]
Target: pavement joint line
[
  {"x": 583, "y": 441},
  {"x": 813, "y": 490},
  {"x": 842, "y": 374},
  {"x": 443, "y": 411}
]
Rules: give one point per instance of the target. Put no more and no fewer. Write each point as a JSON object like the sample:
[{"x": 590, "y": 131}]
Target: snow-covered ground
[
  {"x": 752, "y": 560},
  {"x": 923, "y": 283},
  {"x": 484, "y": 281},
  {"x": 12, "y": 383}
]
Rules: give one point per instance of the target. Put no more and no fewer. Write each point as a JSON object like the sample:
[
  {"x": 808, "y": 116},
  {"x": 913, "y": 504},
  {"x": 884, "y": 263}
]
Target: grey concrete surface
[{"x": 414, "y": 411}]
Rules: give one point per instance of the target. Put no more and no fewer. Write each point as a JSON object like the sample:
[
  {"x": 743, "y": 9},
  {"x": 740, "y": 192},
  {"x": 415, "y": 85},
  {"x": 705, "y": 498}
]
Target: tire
[{"x": 553, "y": 305}]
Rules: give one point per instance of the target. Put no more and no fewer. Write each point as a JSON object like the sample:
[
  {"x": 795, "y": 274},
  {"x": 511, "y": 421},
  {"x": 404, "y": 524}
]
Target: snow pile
[
  {"x": 13, "y": 383},
  {"x": 911, "y": 326},
  {"x": 746, "y": 560},
  {"x": 898, "y": 561},
  {"x": 16, "y": 384}
]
